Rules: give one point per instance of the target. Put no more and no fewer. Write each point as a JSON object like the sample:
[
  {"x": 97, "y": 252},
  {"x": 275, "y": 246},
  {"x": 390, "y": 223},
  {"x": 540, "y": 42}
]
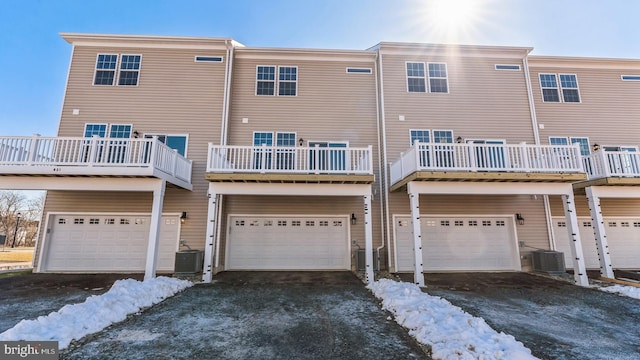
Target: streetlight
[{"x": 15, "y": 232}]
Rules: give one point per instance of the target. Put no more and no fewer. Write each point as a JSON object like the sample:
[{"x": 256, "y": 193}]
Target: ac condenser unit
[
  {"x": 548, "y": 261},
  {"x": 188, "y": 262}
]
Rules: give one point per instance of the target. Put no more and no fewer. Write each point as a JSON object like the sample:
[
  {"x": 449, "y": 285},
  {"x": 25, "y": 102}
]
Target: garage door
[
  {"x": 623, "y": 235},
  {"x": 288, "y": 243},
  {"x": 459, "y": 243},
  {"x": 107, "y": 243}
]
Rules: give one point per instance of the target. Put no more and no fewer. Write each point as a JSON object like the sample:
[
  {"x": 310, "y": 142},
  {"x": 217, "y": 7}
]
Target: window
[
  {"x": 473, "y": 223},
  {"x": 296, "y": 222},
  {"x": 239, "y": 222},
  {"x": 612, "y": 224},
  {"x": 310, "y": 223},
  {"x": 78, "y": 221},
  {"x": 99, "y": 130},
  {"x": 549, "y": 86},
  {"x": 458, "y": 223},
  {"x": 62, "y": 221},
  {"x": 175, "y": 142},
  {"x": 323, "y": 223},
  {"x": 569, "y": 85},
  {"x": 282, "y": 222},
  {"x": 328, "y": 155},
  {"x": 630, "y": 77},
  {"x": 438, "y": 78},
  {"x": 585, "y": 149},
  {"x": 486, "y": 222},
  {"x": 416, "y": 77},
  {"x": 105, "y": 69},
  {"x": 94, "y": 221},
  {"x": 443, "y": 136},
  {"x": 586, "y": 223},
  {"x": 512, "y": 67},
  {"x": 351, "y": 70},
  {"x": 422, "y": 136},
  {"x": 110, "y": 221},
  {"x": 500, "y": 223},
  {"x": 624, "y": 223},
  {"x": 287, "y": 80},
  {"x": 120, "y": 131},
  {"x": 125, "y": 221},
  {"x": 558, "y": 140},
  {"x": 129, "y": 70},
  {"x": 208, "y": 59},
  {"x": 444, "y": 222}
]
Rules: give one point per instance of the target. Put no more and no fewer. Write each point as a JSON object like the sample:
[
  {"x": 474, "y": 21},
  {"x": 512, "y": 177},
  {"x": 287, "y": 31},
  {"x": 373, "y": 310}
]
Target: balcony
[
  {"x": 284, "y": 164},
  {"x": 488, "y": 162},
  {"x": 612, "y": 168},
  {"x": 93, "y": 157}
]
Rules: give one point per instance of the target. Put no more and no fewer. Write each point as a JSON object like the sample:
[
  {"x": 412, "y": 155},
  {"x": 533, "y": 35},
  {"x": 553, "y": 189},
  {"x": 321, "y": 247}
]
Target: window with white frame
[
  {"x": 264, "y": 156},
  {"x": 286, "y": 82},
  {"x": 128, "y": 71},
  {"x": 569, "y": 86},
  {"x": 416, "y": 77},
  {"x": 91, "y": 130},
  {"x": 443, "y": 136},
  {"x": 551, "y": 89},
  {"x": 585, "y": 149},
  {"x": 420, "y": 135},
  {"x": 438, "y": 82},
  {"x": 175, "y": 142},
  {"x": 549, "y": 85}
]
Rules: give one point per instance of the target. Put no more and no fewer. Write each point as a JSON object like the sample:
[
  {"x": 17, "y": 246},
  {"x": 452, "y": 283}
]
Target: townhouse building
[{"x": 419, "y": 157}]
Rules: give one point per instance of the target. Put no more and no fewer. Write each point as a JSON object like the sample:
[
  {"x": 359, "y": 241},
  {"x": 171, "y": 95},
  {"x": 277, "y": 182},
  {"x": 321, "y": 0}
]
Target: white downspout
[
  {"x": 381, "y": 167},
  {"x": 536, "y": 135},
  {"x": 384, "y": 162}
]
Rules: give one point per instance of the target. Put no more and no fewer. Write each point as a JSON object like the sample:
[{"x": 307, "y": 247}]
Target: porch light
[
  {"x": 136, "y": 134},
  {"x": 354, "y": 219},
  {"x": 183, "y": 217},
  {"x": 459, "y": 140},
  {"x": 596, "y": 147},
  {"x": 520, "y": 218},
  {"x": 300, "y": 141}
]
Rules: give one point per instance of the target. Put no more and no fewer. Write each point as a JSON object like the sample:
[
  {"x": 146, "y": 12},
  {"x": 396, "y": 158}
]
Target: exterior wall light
[
  {"x": 459, "y": 140},
  {"x": 354, "y": 219},
  {"x": 520, "y": 218},
  {"x": 300, "y": 141},
  {"x": 596, "y": 147},
  {"x": 183, "y": 217}
]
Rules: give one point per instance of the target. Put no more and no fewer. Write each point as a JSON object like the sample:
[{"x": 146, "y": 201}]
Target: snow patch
[
  {"x": 630, "y": 291},
  {"x": 448, "y": 330},
  {"x": 136, "y": 335},
  {"x": 72, "y": 322}
]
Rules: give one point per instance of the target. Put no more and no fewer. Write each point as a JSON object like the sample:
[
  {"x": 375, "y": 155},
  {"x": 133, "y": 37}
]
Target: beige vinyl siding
[
  {"x": 301, "y": 206},
  {"x": 175, "y": 95},
  {"x": 533, "y": 232},
  {"x": 610, "y": 206},
  {"x": 482, "y": 103},
  {"x": 607, "y": 113}
]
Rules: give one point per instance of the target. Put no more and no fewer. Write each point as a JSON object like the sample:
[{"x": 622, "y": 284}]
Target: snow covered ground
[
  {"x": 448, "y": 330},
  {"x": 97, "y": 312},
  {"x": 630, "y": 291}
]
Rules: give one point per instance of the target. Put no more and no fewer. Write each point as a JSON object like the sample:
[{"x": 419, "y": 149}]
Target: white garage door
[
  {"x": 288, "y": 243},
  {"x": 107, "y": 243},
  {"x": 623, "y": 235},
  {"x": 459, "y": 243}
]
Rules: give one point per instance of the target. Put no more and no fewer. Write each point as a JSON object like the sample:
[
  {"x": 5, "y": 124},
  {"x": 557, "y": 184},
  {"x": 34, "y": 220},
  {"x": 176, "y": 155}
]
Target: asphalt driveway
[
  {"x": 259, "y": 315},
  {"x": 553, "y": 318}
]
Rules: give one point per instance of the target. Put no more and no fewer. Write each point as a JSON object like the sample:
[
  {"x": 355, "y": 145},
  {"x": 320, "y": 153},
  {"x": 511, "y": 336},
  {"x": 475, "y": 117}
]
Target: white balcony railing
[
  {"x": 104, "y": 156},
  {"x": 290, "y": 160},
  {"x": 612, "y": 164},
  {"x": 521, "y": 158}
]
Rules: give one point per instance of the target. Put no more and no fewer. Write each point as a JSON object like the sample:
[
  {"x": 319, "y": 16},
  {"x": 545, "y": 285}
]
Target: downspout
[
  {"x": 384, "y": 160},
  {"x": 380, "y": 165},
  {"x": 536, "y": 134}
]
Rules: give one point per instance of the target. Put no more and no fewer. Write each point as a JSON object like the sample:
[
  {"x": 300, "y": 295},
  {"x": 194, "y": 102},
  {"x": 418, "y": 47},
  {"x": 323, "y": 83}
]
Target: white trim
[
  {"x": 66, "y": 88},
  {"x": 543, "y": 88},
  {"x": 616, "y": 191},
  {"x": 510, "y": 216},
  {"x": 488, "y": 188},
  {"x": 186, "y": 144},
  {"x": 346, "y": 218},
  {"x": 120, "y": 70},
  {"x": 446, "y": 78},
  {"x": 275, "y": 80},
  {"x": 630, "y": 77},
  {"x": 507, "y": 67},
  {"x": 424, "y": 78},
  {"x": 77, "y": 183},
  {"x": 95, "y": 70},
  {"x": 50, "y": 214},
  {"x": 359, "y": 70},
  {"x": 278, "y": 81},
  {"x": 302, "y": 189},
  {"x": 471, "y": 141},
  {"x": 210, "y": 58},
  {"x": 433, "y": 134},
  {"x": 577, "y": 88}
]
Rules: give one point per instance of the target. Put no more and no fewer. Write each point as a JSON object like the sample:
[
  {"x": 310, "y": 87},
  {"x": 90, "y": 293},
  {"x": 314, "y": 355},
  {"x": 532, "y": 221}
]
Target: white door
[
  {"x": 450, "y": 243},
  {"x": 288, "y": 243},
  {"x": 623, "y": 236},
  {"x": 107, "y": 243}
]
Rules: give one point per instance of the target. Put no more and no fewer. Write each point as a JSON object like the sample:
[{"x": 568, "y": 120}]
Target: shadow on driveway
[
  {"x": 260, "y": 315},
  {"x": 553, "y": 318}
]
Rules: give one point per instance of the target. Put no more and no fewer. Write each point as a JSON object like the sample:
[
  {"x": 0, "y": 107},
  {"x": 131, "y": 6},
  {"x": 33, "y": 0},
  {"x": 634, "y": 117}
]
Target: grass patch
[
  {"x": 14, "y": 273},
  {"x": 16, "y": 256}
]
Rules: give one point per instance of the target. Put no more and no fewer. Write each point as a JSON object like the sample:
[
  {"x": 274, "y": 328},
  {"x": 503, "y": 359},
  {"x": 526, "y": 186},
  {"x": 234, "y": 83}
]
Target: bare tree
[{"x": 19, "y": 217}]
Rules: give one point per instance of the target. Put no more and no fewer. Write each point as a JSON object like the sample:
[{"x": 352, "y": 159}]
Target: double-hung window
[
  {"x": 438, "y": 82},
  {"x": 175, "y": 142},
  {"x": 263, "y": 153},
  {"x": 433, "y": 153},
  {"x": 436, "y": 75},
  {"x": 286, "y": 82},
  {"x": 416, "y": 77},
  {"x": 109, "y": 151},
  {"x": 568, "y": 86},
  {"x": 563, "y": 140},
  {"x": 126, "y": 67},
  {"x": 421, "y": 136}
]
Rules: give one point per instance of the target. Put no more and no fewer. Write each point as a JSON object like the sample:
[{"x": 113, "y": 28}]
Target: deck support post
[
  {"x": 579, "y": 267},
  {"x": 209, "y": 243},
  {"x": 414, "y": 199},
  {"x": 602, "y": 244},
  {"x": 154, "y": 230},
  {"x": 368, "y": 240}
]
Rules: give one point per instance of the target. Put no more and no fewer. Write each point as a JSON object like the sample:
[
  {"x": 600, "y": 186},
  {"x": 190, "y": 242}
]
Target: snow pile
[
  {"x": 629, "y": 291},
  {"x": 451, "y": 332},
  {"x": 97, "y": 312}
]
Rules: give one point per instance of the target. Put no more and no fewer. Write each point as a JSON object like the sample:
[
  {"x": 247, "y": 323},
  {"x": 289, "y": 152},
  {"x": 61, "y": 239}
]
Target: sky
[{"x": 32, "y": 89}]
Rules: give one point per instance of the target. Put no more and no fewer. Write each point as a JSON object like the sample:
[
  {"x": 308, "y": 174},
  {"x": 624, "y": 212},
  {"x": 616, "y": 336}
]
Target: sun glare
[{"x": 453, "y": 21}]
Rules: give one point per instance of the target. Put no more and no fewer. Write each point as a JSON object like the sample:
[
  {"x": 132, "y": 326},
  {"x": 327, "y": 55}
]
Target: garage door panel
[
  {"x": 93, "y": 243},
  {"x": 287, "y": 243},
  {"x": 458, "y": 243}
]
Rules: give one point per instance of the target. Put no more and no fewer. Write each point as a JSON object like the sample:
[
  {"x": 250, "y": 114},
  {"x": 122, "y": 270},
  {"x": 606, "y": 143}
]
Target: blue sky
[{"x": 34, "y": 59}]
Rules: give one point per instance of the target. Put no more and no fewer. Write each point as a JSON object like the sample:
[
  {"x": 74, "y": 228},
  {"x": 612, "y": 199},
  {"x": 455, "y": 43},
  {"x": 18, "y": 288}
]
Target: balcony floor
[
  {"x": 487, "y": 177},
  {"x": 290, "y": 178}
]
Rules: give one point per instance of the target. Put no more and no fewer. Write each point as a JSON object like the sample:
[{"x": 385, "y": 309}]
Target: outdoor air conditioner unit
[
  {"x": 188, "y": 262},
  {"x": 361, "y": 260},
  {"x": 548, "y": 261}
]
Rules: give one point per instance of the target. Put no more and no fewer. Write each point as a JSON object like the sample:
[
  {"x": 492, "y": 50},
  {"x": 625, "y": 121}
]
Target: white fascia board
[
  {"x": 290, "y": 189},
  {"x": 77, "y": 183},
  {"x": 616, "y": 191},
  {"x": 485, "y": 188}
]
